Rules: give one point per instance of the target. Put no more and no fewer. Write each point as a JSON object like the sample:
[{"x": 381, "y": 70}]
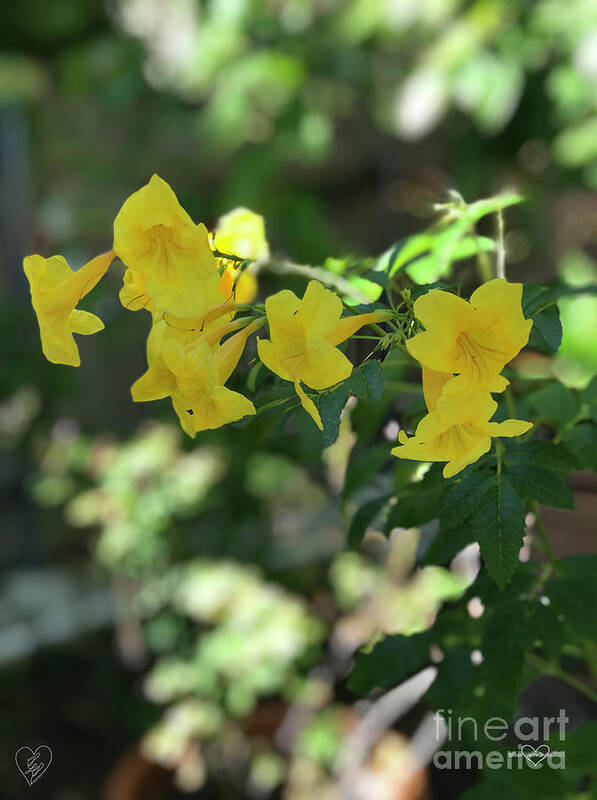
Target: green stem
[
  {"x": 543, "y": 537},
  {"x": 319, "y": 274},
  {"x": 509, "y": 402},
  {"x": 549, "y": 668},
  {"x": 500, "y": 252}
]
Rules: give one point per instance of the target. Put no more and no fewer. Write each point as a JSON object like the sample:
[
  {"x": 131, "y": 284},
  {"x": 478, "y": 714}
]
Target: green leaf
[
  {"x": 492, "y": 204},
  {"x": 499, "y": 527},
  {"x": 253, "y": 375},
  {"x": 582, "y": 443},
  {"x": 448, "y": 543},
  {"x": 541, "y": 484},
  {"x": 331, "y": 406},
  {"x": 555, "y": 403},
  {"x": 414, "y": 507},
  {"x": 365, "y": 381},
  {"x": 581, "y": 746},
  {"x": 546, "y": 333},
  {"x": 390, "y": 661},
  {"x": 406, "y": 250},
  {"x": 438, "y": 263},
  {"x": 535, "y": 298},
  {"x": 588, "y": 397},
  {"x": 363, "y": 518},
  {"x": 529, "y": 453},
  {"x": 508, "y": 634},
  {"x": 572, "y": 593},
  {"x": 364, "y": 465},
  {"x": 463, "y": 495}
]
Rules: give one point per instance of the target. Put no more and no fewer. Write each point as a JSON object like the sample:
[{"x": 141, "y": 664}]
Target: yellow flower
[
  {"x": 241, "y": 233},
  {"x": 457, "y": 428},
  {"x": 303, "y": 338},
  {"x": 192, "y": 369},
  {"x": 55, "y": 291},
  {"x": 201, "y": 400},
  {"x": 245, "y": 290},
  {"x": 168, "y": 257},
  {"x": 474, "y": 339}
]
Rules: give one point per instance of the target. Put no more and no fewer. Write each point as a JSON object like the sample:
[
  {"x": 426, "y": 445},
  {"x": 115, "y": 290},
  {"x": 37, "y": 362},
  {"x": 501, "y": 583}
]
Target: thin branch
[
  {"x": 316, "y": 273},
  {"x": 500, "y": 252},
  {"x": 553, "y": 669}
]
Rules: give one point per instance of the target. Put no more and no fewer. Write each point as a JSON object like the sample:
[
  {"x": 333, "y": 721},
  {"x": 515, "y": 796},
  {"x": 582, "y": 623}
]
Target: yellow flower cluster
[
  {"x": 193, "y": 287},
  {"x": 463, "y": 349}
]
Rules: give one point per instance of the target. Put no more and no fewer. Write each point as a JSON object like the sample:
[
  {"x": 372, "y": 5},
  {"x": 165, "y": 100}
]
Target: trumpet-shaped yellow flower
[
  {"x": 55, "y": 291},
  {"x": 192, "y": 369},
  {"x": 241, "y": 233},
  {"x": 168, "y": 257},
  {"x": 303, "y": 338},
  {"x": 474, "y": 339},
  {"x": 201, "y": 399},
  {"x": 457, "y": 428}
]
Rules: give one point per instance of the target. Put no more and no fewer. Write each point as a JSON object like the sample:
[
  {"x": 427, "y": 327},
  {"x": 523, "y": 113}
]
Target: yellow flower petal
[
  {"x": 211, "y": 409},
  {"x": 308, "y": 405},
  {"x": 157, "y": 382},
  {"x": 280, "y": 309},
  {"x": 320, "y": 310},
  {"x": 348, "y": 326},
  {"x": 227, "y": 355},
  {"x": 84, "y": 322},
  {"x": 246, "y": 287},
  {"x": 433, "y": 384},
  {"x": 324, "y": 366}
]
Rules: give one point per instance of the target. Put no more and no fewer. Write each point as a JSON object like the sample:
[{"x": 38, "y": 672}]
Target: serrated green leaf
[
  {"x": 551, "y": 456},
  {"x": 463, "y": 495},
  {"x": 498, "y": 524},
  {"x": 541, "y": 484},
  {"x": 365, "y": 381},
  {"x": 535, "y": 298},
  {"x": 546, "y": 333},
  {"x": 389, "y": 662},
  {"x": 331, "y": 406},
  {"x": 363, "y": 518}
]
